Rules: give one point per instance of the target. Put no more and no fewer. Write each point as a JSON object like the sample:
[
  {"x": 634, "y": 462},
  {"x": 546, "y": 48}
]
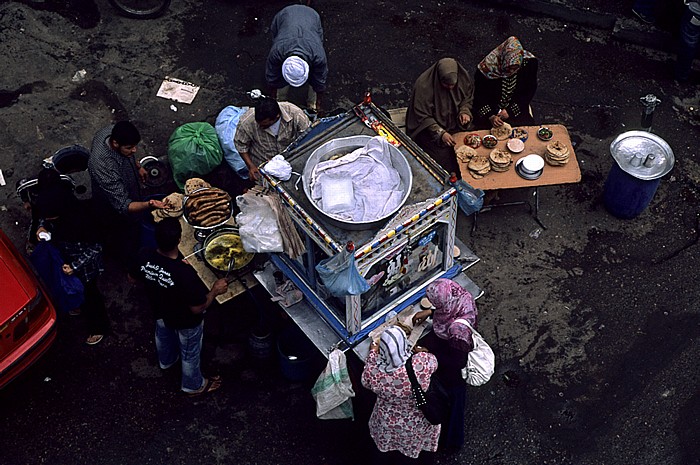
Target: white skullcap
[{"x": 295, "y": 71}]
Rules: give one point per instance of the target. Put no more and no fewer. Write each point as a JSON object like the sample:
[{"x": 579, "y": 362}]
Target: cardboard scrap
[{"x": 178, "y": 90}]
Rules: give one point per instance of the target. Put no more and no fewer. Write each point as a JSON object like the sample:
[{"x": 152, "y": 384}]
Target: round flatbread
[
  {"x": 193, "y": 184},
  {"x": 502, "y": 132},
  {"x": 464, "y": 153},
  {"x": 479, "y": 163}
]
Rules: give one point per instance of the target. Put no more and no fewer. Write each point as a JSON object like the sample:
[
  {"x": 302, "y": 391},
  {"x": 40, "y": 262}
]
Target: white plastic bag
[
  {"x": 279, "y": 168},
  {"x": 257, "y": 225},
  {"x": 333, "y": 389},
  {"x": 481, "y": 362}
]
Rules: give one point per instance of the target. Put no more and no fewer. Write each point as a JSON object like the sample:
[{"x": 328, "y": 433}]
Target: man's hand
[
  {"x": 503, "y": 114},
  {"x": 220, "y": 287},
  {"x": 447, "y": 139},
  {"x": 254, "y": 173},
  {"x": 464, "y": 119},
  {"x": 143, "y": 174},
  {"x": 153, "y": 203}
]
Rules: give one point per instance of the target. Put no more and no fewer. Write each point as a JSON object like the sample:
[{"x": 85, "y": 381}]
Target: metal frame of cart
[{"x": 407, "y": 254}]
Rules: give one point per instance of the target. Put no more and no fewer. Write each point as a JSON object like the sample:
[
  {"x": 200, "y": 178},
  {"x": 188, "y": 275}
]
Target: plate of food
[
  {"x": 489, "y": 141},
  {"x": 207, "y": 207},
  {"x": 544, "y": 133},
  {"x": 519, "y": 133},
  {"x": 472, "y": 140},
  {"x": 223, "y": 247},
  {"x": 515, "y": 145}
]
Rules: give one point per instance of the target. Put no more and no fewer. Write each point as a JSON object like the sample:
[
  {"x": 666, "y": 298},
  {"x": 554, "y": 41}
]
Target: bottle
[
  {"x": 368, "y": 98},
  {"x": 350, "y": 246}
]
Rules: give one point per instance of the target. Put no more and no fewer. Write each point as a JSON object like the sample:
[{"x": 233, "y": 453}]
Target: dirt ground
[{"x": 594, "y": 320}]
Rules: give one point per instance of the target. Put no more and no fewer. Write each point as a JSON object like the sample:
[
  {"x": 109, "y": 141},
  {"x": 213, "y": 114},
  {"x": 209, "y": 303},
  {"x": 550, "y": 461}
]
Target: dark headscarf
[
  {"x": 452, "y": 302},
  {"x": 432, "y": 103}
]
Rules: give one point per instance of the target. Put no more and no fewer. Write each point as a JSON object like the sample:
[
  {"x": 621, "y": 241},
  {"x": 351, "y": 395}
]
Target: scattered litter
[
  {"x": 79, "y": 76},
  {"x": 47, "y": 379},
  {"x": 2, "y": 179},
  {"x": 173, "y": 107},
  {"x": 535, "y": 233},
  {"x": 178, "y": 90},
  {"x": 3, "y": 208}
]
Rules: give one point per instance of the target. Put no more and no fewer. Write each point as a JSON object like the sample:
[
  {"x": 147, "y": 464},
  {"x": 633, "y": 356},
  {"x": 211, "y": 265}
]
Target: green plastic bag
[{"x": 193, "y": 151}]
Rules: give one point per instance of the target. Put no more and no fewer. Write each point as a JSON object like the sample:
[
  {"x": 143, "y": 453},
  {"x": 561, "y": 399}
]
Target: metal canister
[{"x": 641, "y": 160}]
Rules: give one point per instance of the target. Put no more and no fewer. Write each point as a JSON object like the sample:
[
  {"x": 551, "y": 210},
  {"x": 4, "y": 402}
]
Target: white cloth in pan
[{"x": 376, "y": 183}]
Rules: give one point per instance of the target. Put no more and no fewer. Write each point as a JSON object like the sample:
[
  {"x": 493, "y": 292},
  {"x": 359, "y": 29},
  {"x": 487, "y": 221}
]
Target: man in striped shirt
[{"x": 116, "y": 185}]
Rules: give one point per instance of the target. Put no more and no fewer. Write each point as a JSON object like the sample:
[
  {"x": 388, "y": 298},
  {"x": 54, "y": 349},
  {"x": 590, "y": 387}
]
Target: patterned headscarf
[
  {"x": 393, "y": 349},
  {"x": 504, "y": 60},
  {"x": 451, "y": 302}
]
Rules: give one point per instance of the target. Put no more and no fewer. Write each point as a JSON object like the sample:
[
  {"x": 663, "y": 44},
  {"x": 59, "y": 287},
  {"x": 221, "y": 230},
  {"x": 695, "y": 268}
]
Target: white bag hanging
[
  {"x": 333, "y": 389},
  {"x": 481, "y": 362}
]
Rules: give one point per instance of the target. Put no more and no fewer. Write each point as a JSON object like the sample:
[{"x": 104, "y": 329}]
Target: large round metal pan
[
  {"x": 222, "y": 245},
  {"x": 346, "y": 145}
]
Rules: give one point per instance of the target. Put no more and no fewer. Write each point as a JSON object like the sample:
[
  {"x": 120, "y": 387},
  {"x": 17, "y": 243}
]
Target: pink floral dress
[{"x": 396, "y": 423}]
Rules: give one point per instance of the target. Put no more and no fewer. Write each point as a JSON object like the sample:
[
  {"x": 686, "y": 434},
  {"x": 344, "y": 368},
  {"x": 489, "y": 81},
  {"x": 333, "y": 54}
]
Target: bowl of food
[
  {"x": 224, "y": 247},
  {"x": 519, "y": 133},
  {"x": 489, "y": 141},
  {"x": 472, "y": 140},
  {"x": 544, "y": 133}
]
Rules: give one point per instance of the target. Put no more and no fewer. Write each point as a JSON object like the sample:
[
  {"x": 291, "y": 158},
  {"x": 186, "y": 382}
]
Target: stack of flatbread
[
  {"x": 193, "y": 184},
  {"x": 478, "y": 166},
  {"x": 500, "y": 160},
  {"x": 173, "y": 207},
  {"x": 557, "y": 154},
  {"x": 502, "y": 132},
  {"x": 464, "y": 153}
]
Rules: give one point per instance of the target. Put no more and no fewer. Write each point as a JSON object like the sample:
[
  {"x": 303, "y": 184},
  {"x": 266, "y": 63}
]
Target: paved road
[{"x": 594, "y": 320}]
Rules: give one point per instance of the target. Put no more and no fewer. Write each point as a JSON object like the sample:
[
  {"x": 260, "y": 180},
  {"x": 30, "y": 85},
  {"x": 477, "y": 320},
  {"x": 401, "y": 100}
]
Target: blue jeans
[
  {"x": 689, "y": 39},
  {"x": 186, "y": 344}
]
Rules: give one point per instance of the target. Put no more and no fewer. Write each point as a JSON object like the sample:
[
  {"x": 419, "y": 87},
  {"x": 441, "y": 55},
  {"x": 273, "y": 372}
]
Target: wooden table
[
  {"x": 552, "y": 175},
  {"x": 186, "y": 247}
]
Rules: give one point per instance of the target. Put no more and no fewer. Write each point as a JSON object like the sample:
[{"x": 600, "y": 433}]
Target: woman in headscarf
[
  {"x": 450, "y": 342},
  {"x": 441, "y": 104},
  {"x": 399, "y": 430},
  {"x": 505, "y": 83}
]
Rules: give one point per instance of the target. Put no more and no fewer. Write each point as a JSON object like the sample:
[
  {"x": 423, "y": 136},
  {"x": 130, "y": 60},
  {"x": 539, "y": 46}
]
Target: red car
[{"x": 27, "y": 316}]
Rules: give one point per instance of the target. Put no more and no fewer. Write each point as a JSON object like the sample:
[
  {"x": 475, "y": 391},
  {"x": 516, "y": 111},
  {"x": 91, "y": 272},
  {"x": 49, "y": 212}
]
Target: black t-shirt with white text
[{"x": 172, "y": 287}]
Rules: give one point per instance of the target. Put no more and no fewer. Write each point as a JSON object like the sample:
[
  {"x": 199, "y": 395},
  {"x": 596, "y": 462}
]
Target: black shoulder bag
[{"x": 435, "y": 402}]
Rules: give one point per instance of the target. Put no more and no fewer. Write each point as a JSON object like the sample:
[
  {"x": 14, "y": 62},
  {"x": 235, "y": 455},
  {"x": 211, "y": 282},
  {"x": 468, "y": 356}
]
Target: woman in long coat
[
  {"x": 451, "y": 343},
  {"x": 399, "y": 430},
  {"x": 440, "y": 105}
]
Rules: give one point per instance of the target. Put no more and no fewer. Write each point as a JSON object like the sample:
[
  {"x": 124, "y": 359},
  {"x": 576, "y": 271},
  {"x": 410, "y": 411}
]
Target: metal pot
[
  {"x": 345, "y": 145},
  {"x": 223, "y": 244}
]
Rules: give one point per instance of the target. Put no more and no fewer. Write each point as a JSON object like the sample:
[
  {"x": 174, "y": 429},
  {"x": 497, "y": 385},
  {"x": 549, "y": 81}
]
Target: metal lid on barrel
[{"x": 642, "y": 154}]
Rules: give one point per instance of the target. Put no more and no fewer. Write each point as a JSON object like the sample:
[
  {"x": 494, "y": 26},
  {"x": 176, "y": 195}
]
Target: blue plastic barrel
[
  {"x": 626, "y": 196},
  {"x": 641, "y": 160},
  {"x": 148, "y": 226},
  {"x": 297, "y": 354}
]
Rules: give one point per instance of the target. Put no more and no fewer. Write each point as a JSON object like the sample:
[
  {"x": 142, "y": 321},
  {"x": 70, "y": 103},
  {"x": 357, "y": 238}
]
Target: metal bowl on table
[
  {"x": 345, "y": 145},
  {"x": 223, "y": 245},
  {"x": 195, "y": 224}
]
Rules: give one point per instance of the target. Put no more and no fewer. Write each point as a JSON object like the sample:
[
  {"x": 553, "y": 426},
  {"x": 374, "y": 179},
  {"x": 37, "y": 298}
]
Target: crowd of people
[{"x": 445, "y": 99}]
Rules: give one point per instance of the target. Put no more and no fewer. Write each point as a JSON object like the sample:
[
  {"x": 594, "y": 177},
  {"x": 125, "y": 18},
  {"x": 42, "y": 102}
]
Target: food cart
[{"x": 399, "y": 256}]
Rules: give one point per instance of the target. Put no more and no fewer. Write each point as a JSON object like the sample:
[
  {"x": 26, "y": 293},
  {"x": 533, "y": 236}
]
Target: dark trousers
[
  {"x": 688, "y": 45},
  {"x": 94, "y": 310}
]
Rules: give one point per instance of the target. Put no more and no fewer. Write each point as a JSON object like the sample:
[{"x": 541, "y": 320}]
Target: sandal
[
  {"x": 94, "y": 339},
  {"x": 210, "y": 385}
]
